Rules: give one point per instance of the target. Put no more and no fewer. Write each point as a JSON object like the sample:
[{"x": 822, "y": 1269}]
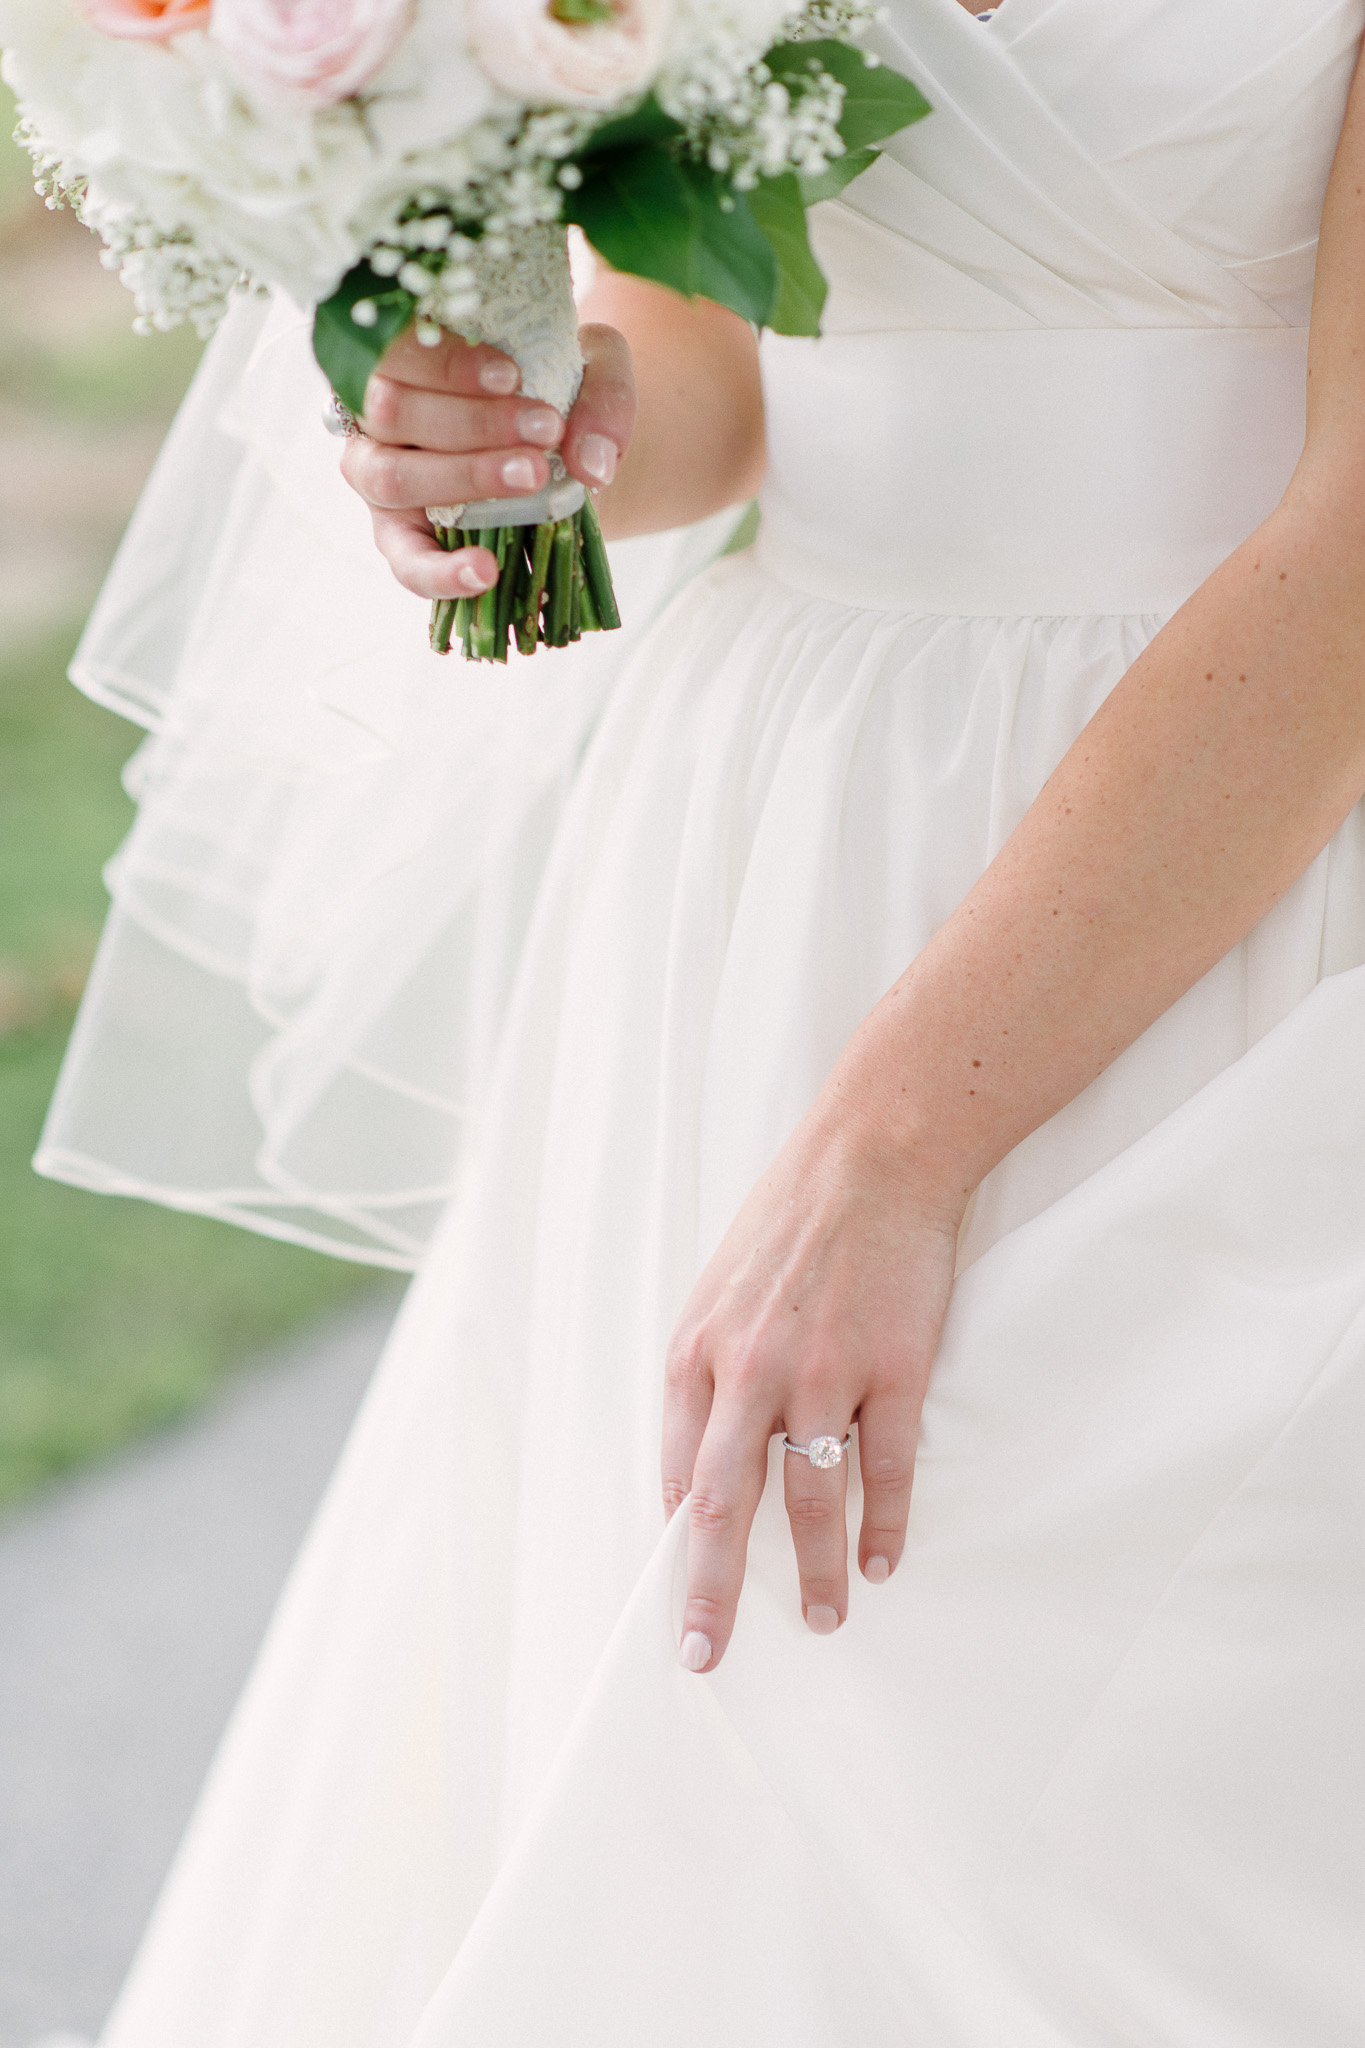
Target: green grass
[
  {"x": 114, "y": 1315},
  {"x": 95, "y": 377}
]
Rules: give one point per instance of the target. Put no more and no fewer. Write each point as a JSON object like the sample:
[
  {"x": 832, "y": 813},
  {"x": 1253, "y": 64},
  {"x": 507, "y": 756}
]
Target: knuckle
[
  {"x": 711, "y": 1515},
  {"x": 609, "y": 380},
  {"x": 675, "y": 1493},
  {"x": 457, "y": 361},
  {"x": 809, "y": 1511},
  {"x": 746, "y": 1366},
  {"x": 384, "y": 539},
  {"x": 705, "y": 1611},
  {"x": 683, "y": 1364},
  {"x": 384, "y": 477},
  {"x": 383, "y": 402},
  {"x": 617, "y": 393},
  {"x": 887, "y": 1472},
  {"x": 393, "y": 544}
]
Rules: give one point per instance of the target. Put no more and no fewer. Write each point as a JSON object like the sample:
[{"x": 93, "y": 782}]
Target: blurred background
[{"x": 172, "y": 1391}]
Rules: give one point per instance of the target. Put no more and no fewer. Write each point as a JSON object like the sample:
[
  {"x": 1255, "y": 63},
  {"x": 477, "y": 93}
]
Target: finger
[
  {"x": 423, "y": 566},
  {"x": 452, "y": 365},
  {"x": 688, "y": 1393},
  {"x": 817, "y": 1510},
  {"x": 727, "y": 1485},
  {"x": 403, "y": 416},
  {"x": 599, "y": 427},
  {"x": 888, "y": 1429},
  {"x": 401, "y": 479}
]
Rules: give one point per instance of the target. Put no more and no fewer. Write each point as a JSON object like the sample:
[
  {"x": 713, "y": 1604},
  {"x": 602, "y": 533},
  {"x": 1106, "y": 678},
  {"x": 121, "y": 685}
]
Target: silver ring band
[
  {"x": 339, "y": 419},
  {"x": 824, "y": 1452}
]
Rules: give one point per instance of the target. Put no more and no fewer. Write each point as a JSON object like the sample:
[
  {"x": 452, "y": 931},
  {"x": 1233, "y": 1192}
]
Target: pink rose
[
  {"x": 312, "y": 52},
  {"x": 159, "y": 18},
  {"x": 533, "y": 55}
]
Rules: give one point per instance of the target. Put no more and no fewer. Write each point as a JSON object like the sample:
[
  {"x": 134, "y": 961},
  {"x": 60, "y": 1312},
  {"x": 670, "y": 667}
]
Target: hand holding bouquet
[{"x": 418, "y": 162}]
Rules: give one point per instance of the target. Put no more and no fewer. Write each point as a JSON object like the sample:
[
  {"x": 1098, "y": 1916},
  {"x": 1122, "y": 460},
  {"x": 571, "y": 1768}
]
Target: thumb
[{"x": 602, "y": 418}]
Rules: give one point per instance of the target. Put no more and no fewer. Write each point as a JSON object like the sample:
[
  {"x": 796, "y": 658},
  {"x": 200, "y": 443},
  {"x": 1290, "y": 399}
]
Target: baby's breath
[
  {"x": 509, "y": 173},
  {"x": 518, "y": 171},
  {"x": 746, "y": 124},
  {"x": 173, "y": 278},
  {"x": 844, "y": 20}
]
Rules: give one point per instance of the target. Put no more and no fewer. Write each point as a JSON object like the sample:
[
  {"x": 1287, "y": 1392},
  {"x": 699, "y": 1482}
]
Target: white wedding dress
[{"x": 524, "y": 980}]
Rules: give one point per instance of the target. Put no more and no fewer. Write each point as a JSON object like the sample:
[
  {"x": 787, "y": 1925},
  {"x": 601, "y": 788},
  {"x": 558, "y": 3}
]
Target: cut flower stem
[{"x": 554, "y": 584}]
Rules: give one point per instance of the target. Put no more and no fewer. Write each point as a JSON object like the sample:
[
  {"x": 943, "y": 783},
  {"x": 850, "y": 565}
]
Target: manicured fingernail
[
  {"x": 470, "y": 578},
  {"x": 877, "y": 1571},
  {"x": 500, "y": 377},
  {"x": 597, "y": 456},
  {"x": 822, "y": 1621},
  {"x": 695, "y": 1650},
  {"x": 539, "y": 425},
  {"x": 518, "y": 473}
]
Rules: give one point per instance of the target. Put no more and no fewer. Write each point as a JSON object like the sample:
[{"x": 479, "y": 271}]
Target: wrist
[{"x": 912, "y": 1104}]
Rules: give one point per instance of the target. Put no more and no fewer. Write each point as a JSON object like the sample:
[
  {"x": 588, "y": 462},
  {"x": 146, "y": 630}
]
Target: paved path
[{"x": 131, "y": 1602}]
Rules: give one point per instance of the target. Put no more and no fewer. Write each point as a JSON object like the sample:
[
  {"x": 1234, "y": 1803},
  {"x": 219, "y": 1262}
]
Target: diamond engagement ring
[{"x": 823, "y": 1451}]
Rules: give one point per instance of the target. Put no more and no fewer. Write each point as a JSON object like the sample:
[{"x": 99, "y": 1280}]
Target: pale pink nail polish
[
  {"x": 695, "y": 1650},
  {"x": 469, "y": 578},
  {"x": 540, "y": 426},
  {"x": 877, "y": 1571},
  {"x": 822, "y": 1621},
  {"x": 500, "y": 377},
  {"x": 519, "y": 473},
  {"x": 597, "y": 456}
]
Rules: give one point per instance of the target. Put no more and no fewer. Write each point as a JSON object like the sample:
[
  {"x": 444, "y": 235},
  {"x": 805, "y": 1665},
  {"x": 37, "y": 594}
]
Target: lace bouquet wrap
[{"x": 397, "y": 162}]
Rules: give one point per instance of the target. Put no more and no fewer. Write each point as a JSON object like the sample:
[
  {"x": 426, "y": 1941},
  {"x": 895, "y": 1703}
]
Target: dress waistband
[{"x": 1027, "y": 472}]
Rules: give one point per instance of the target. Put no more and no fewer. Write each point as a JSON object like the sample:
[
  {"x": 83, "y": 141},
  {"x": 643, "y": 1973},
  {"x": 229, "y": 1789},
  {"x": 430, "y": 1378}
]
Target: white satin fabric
[{"x": 1088, "y": 1770}]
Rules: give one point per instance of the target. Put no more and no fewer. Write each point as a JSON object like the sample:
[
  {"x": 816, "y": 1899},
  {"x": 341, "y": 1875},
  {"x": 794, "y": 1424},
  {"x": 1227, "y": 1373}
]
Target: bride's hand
[
  {"x": 444, "y": 425},
  {"x": 822, "y": 1307}
]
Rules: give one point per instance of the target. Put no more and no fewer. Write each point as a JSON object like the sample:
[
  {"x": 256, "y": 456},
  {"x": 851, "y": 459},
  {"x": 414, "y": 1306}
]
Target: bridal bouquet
[{"x": 387, "y": 162}]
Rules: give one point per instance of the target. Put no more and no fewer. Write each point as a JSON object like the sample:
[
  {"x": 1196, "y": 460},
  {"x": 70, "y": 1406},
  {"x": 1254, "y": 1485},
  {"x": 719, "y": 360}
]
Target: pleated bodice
[{"x": 1137, "y": 191}]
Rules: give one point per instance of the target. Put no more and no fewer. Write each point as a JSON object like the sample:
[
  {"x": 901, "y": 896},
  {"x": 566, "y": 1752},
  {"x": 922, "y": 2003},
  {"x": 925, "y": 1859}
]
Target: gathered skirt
[{"x": 1088, "y": 1770}]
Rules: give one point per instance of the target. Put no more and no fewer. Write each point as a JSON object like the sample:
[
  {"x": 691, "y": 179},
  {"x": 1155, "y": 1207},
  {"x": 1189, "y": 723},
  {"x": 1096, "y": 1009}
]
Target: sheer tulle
[{"x": 319, "y": 913}]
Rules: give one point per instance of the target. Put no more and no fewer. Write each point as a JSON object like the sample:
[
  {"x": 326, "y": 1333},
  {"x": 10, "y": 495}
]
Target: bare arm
[
  {"x": 1213, "y": 774},
  {"x": 698, "y": 440},
  {"x": 1217, "y": 769}
]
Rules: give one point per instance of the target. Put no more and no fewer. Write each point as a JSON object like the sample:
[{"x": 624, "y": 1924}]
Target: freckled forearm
[
  {"x": 1217, "y": 770},
  {"x": 1213, "y": 775}
]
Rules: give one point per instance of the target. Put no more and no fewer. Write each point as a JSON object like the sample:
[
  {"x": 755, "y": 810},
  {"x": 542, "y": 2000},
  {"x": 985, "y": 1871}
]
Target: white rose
[{"x": 538, "y": 58}]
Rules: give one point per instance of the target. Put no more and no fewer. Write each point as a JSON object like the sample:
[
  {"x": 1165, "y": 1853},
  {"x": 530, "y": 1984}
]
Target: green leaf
[
  {"x": 780, "y": 211},
  {"x": 841, "y": 172},
  {"x": 877, "y": 100},
  {"x": 646, "y": 123},
  {"x": 575, "y": 11},
  {"x": 348, "y": 352},
  {"x": 680, "y": 225}
]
